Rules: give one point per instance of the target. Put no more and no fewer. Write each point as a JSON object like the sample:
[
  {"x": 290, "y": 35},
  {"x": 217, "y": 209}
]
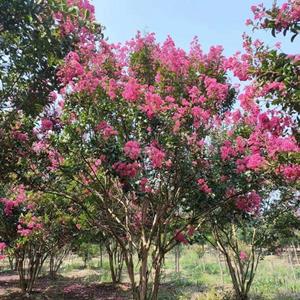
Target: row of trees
[{"x": 144, "y": 143}]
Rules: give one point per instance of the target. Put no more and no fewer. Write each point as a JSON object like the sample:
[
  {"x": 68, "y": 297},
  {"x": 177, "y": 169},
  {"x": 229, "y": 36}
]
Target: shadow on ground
[{"x": 63, "y": 288}]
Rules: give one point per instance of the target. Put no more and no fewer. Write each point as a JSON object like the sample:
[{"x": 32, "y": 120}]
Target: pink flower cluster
[
  {"x": 39, "y": 146},
  {"x": 180, "y": 237},
  {"x": 239, "y": 64},
  {"x": 144, "y": 184},
  {"x": 156, "y": 155},
  {"x": 83, "y": 5},
  {"x": 20, "y": 136},
  {"x": 204, "y": 186},
  {"x": 251, "y": 162},
  {"x": 290, "y": 172},
  {"x": 282, "y": 144},
  {"x": 55, "y": 159},
  {"x": 282, "y": 17},
  {"x": 10, "y": 204},
  {"x": 227, "y": 151},
  {"x": 132, "y": 90},
  {"x": 126, "y": 169},
  {"x": 132, "y": 149},
  {"x": 71, "y": 69},
  {"x": 215, "y": 90},
  {"x": 249, "y": 203},
  {"x": 243, "y": 256},
  {"x": 106, "y": 130},
  {"x": 46, "y": 124},
  {"x": 2, "y": 248},
  {"x": 26, "y": 228},
  {"x": 153, "y": 104}
]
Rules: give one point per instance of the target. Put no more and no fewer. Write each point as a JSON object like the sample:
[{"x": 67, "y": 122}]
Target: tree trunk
[
  {"x": 51, "y": 267},
  {"x": 112, "y": 267},
  {"x": 101, "y": 257},
  {"x": 130, "y": 269},
  {"x": 156, "y": 278},
  {"x": 295, "y": 253},
  {"x": 221, "y": 268},
  {"x": 144, "y": 275},
  {"x": 177, "y": 258}
]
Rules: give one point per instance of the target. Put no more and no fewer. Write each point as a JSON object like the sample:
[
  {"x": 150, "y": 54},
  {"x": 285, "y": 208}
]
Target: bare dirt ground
[{"x": 63, "y": 288}]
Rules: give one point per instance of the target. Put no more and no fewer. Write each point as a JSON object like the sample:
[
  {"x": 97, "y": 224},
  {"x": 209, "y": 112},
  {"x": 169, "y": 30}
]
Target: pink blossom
[
  {"x": 290, "y": 172},
  {"x": 55, "y": 159},
  {"x": 254, "y": 161},
  {"x": 20, "y": 136},
  {"x": 249, "y": 203},
  {"x": 153, "y": 104},
  {"x": 8, "y": 206},
  {"x": 24, "y": 231},
  {"x": 243, "y": 256},
  {"x": 282, "y": 144},
  {"x": 39, "y": 146},
  {"x": 144, "y": 184},
  {"x": 173, "y": 58},
  {"x": 278, "y": 45},
  {"x": 203, "y": 186},
  {"x": 106, "y": 130},
  {"x": 126, "y": 169},
  {"x": 247, "y": 98},
  {"x": 224, "y": 178},
  {"x": 67, "y": 26},
  {"x": 215, "y": 89},
  {"x": 168, "y": 163},
  {"x": 71, "y": 69},
  {"x": 239, "y": 65},
  {"x": 180, "y": 237},
  {"x": 271, "y": 87},
  {"x": 156, "y": 155},
  {"x": 132, "y": 90},
  {"x": 95, "y": 165},
  {"x": 227, "y": 150},
  {"x": 52, "y": 96},
  {"x": 132, "y": 149},
  {"x": 2, "y": 246},
  {"x": 248, "y": 22},
  {"x": 46, "y": 124},
  {"x": 20, "y": 194}
]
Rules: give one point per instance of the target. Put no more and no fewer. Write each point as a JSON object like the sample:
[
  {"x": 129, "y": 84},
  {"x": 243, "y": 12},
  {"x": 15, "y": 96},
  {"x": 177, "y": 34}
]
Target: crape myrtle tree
[
  {"x": 277, "y": 71},
  {"x": 32, "y": 45},
  {"x": 23, "y": 235},
  {"x": 137, "y": 123},
  {"x": 245, "y": 236},
  {"x": 274, "y": 79},
  {"x": 62, "y": 226},
  {"x": 284, "y": 18},
  {"x": 130, "y": 118},
  {"x": 255, "y": 156},
  {"x": 34, "y": 227}
]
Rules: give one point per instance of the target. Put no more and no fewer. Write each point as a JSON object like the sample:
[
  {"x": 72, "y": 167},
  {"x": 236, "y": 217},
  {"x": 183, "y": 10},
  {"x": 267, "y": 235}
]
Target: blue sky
[{"x": 218, "y": 22}]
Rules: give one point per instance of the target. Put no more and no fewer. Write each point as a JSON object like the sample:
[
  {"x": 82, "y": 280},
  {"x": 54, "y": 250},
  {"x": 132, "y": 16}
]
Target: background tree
[{"x": 35, "y": 37}]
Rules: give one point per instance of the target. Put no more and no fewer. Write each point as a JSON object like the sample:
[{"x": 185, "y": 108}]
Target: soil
[{"x": 62, "y": 288}]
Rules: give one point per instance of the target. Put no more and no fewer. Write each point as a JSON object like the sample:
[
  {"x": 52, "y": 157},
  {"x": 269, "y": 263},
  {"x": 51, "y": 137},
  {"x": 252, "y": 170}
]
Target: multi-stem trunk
[{"x": 116, "y": 260}]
